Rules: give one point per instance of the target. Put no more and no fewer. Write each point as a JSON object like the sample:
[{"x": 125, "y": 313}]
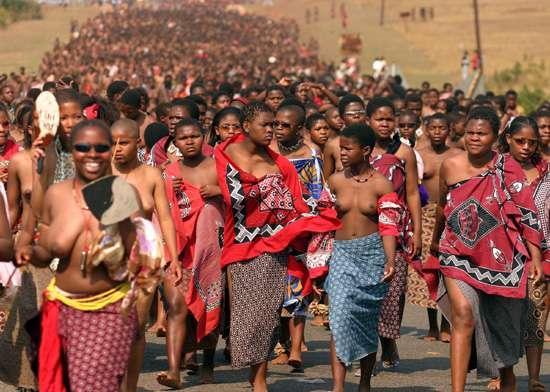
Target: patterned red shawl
[
  {"x": 271, "y": 214},
  {"x": 483, "y": 240},
  {"x": 194, "y": 219},
  {"x": 393, "y": 169},
  {"x": 524, "y": 194}
]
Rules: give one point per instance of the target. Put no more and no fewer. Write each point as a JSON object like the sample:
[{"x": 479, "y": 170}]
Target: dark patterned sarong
[
  {"x": 417, "y": 290},
  {"x": 256, "y": 296},
  {"x": 96, "y": 346}
]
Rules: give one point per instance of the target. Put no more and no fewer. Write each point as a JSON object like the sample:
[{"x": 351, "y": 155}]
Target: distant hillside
[{"x": 431, "y": 49}]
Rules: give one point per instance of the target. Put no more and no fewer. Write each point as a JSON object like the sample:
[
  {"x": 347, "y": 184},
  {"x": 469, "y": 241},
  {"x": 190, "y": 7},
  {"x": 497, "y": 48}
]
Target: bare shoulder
[
  {"x": 336, "y": 179},
  {"x": 314, "y": 147},
  {"x": 59, "y": 192},
  {"x": 405, "y": 152},
  {"x": 454, "y": 151},
  {"x": 456, "y": 160},
  {"x": 332, "y": 145},
  {"x": 381, "y": 183}
]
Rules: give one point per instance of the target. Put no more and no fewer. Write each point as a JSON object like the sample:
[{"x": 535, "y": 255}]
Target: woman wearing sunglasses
[
  {"x": 528, "y": 176},
  {"x": 81, "y": 316}
]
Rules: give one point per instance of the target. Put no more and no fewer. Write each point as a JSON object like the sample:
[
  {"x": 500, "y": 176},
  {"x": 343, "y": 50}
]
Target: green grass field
[{"x": 24, "y": 43}]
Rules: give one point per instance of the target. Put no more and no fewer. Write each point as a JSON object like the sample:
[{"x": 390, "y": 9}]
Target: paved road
[{"x": 424, "y": 367}]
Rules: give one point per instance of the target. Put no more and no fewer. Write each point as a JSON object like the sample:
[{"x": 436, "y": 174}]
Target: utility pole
[
  {"x": 478, "y": 36},
  {"x": 477, "y": 76},
  {"x": 382, "y": 3}
]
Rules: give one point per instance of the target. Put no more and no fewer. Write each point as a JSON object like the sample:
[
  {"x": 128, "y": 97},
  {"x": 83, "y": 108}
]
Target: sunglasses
[
  {"x": 227, "y": 127},
  {"x": 407, "y": 125},
  {"x": 523, "y": 142},
  {"x": 354, "y": 113},
  {"x": 5, "y": 124},
  {"x": 85, "y": 147},
  {"x": 277, "y": 124}
]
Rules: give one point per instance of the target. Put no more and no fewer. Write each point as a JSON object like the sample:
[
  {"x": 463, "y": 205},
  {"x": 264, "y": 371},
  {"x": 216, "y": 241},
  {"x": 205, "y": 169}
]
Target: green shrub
[
  {"x": 15, "y": 10},
  {"x": 530, "y": 99},
  {"x": 4, "y": 18}
]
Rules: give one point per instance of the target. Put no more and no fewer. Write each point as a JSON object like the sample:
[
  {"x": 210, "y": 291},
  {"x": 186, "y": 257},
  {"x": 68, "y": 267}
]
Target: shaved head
[
  {"x": 297, "y": 111},
  {"x": 129, "y": 127}
]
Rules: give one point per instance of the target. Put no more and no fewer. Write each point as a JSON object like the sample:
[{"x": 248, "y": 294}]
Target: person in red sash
[
  {"x": 527, "y": 177},
  {"x": 487, "y": 250},
  {"x": 397, "y": 162},
  {"x": 266, "y": 216},
  {"x": 191, "y": 186}
]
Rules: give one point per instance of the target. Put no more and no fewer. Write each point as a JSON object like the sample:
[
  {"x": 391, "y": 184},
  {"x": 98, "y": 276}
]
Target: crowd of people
[{"x": 200, "y": 172}]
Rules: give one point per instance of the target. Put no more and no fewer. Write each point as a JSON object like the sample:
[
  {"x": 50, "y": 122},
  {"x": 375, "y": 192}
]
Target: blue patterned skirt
[{"x": 355, "y": 294}]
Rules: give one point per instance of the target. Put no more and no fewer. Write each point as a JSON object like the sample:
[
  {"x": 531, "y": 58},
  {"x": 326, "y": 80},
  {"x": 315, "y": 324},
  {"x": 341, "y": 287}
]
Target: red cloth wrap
[
  {"x": 187, "y": 207},
  {"x": 483, "y": 240},
  {"x": 50, "y": 366},
  {"x": 268, "y": 214},
  {"x": 522, "y": 193},
  {"x": 11, "y": 148}
]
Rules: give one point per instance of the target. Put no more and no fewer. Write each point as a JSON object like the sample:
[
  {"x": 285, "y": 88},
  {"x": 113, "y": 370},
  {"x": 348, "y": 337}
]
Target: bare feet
[
  {"x": 536, "y": 386},
  {"x": 494, "y": 385},
  {"x": 432, "y": 336},
  {"x": 157, "y": 328},
  {"x": 318, "y": 321},
  {"x": 169, "y": 381},
  {"x": 445, "y": 337},
  {"x": 206, "y": 375},
  {"x": 281, "y": 359}
]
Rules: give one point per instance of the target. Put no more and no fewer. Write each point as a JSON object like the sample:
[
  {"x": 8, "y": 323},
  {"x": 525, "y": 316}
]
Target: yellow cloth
[{"x": 90, "y": 304}]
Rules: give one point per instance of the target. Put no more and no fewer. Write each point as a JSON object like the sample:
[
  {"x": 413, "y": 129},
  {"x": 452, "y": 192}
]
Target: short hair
[
  {"x": 291, "y": 101},
  {"x": 153, "y": 133},
  {"x": 437, "y": 117},
  {"x": 116, "y": 87},
  {"x": 275, "y": 87},
  {"x": 191, "y": 107},
  {"x": 511, "y": 92},
  {"x": 189, "y": 122},
  {"x": 252, "y": 110},
  {"x": 348, "y": 99},
  {"x": 162, "y": 110},
  {"x": 198, "y": 100},
  {"x": 361, "y": 133},
  {"x": 487, "y": 114},
  {"x": 377, "y": 103},
  {"x": 541, "y": 113},
  {"x": 49, "y": 85},
  {"x": 131, "y": 97},
  {"x": 313, "y": 119},
  {"x": 127, "y": 125},
  {"x": 298, "y": 111},
  {"x": 97, "y": 124},
  {"x": 33, "y": 93},
  {"x": 413, "y": 98},
  {"x": 66, "y": 95}
]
